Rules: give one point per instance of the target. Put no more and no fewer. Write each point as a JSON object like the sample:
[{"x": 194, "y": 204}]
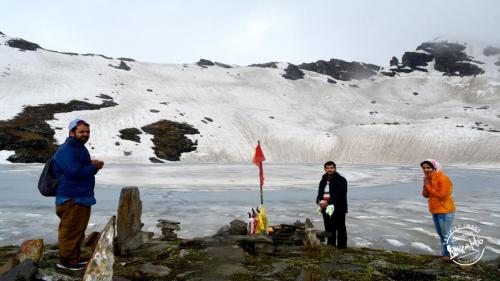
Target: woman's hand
[{"x": 427, "y": 180}]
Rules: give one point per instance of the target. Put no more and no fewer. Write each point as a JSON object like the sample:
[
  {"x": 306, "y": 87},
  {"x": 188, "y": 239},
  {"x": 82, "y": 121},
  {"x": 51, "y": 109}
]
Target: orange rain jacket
[{"x": 438, "y": 189}]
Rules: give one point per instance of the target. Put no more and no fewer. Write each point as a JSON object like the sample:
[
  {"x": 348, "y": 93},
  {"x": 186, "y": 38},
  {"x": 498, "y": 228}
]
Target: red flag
[{"x": 257, "y": 160}]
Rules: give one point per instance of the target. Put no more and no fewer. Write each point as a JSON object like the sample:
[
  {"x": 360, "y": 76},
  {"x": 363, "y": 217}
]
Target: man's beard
[{"x": 82, "y": 140}]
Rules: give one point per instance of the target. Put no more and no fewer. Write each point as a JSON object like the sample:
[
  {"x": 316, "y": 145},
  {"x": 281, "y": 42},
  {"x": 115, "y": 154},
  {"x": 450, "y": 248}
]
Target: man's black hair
[
  {"x": 81, "y": 122},
  {"x": 330, "y": 163}
]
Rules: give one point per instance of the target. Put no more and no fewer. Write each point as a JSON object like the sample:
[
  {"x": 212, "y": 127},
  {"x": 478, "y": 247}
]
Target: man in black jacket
[{"x": 333, "y": 190}]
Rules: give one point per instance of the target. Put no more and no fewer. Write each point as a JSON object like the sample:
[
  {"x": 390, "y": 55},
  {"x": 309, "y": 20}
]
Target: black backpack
[{"x": 47, "y": 184}]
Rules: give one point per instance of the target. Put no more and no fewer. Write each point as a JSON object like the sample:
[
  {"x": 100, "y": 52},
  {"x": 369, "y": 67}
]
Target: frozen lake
[{"x": 386, "y": 209}]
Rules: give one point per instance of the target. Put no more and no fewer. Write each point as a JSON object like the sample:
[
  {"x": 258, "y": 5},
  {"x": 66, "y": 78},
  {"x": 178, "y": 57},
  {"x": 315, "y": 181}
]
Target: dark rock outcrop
[
  {"x": 104, "y": 97},
  {"x": 223, "y": 65},
  {"x": 98, "y": 55},
  {"x": 23, "y": 45},
  {"x": 155, "y": 160},
  {"x": 342, "y": 70},
  {"x": 414, "y": 59},
  {"x": 64, "y": 53},
  {"x": 292, "y": 72},
  {"x": 170, "y": 140},
  {"x": 451, "y": 59},
  {"x": 394, "y": 61},
  {"x": 265, "y": 65},
  {"x": 122, "y": 66},
  {"x": 491, "y": 51},
  {"x": 205, "y": 62},
  {"x": 131, "y": 134},
  {"x": 389, "y": 73},
  {"x": 126, "y": 59},
  {"x": 31, "y": 137}
]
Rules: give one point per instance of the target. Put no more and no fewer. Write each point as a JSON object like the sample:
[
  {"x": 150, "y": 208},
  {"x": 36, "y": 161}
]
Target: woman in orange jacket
[{"x": 438, "y": 188}]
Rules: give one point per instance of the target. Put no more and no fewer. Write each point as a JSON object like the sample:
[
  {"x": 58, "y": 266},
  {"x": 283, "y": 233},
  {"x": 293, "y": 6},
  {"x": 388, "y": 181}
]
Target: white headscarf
[{"x": 434, "y": 163}]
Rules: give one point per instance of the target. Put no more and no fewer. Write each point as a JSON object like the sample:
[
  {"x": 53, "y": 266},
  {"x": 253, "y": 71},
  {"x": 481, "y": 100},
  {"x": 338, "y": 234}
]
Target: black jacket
[{"x": 338, "y": 191}]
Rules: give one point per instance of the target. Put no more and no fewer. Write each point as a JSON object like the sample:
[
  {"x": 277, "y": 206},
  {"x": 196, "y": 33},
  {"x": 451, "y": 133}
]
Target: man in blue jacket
[{"x": 75, "y": 193}]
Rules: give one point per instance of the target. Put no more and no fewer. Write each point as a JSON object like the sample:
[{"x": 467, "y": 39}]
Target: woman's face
[{"x": 428, "y": 170}]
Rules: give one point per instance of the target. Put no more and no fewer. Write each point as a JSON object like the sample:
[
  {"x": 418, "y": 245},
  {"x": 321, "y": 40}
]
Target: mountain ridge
[{"x": 397, "y": 114}]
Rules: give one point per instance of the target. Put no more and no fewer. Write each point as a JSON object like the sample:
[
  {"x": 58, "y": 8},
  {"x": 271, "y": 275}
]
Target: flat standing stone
[{"x": 129, "y": 234}]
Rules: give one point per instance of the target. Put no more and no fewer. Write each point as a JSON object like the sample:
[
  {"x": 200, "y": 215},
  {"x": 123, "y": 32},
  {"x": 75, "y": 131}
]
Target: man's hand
[
  {"x": 98, "y": 163},
  {"x": 323, "y": 204}
]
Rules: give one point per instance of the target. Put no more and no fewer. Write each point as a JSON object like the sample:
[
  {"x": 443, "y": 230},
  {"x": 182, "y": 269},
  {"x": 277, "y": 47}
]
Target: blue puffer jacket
[{"x": 72, "y": 161}]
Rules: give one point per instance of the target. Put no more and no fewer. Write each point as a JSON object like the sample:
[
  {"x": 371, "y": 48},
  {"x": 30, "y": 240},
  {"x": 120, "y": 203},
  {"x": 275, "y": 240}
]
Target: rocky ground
[{"x": 280, "y": 256}]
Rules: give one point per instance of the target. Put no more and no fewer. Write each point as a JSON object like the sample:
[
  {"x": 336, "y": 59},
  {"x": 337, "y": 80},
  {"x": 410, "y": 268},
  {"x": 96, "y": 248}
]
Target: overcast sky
[{"x": 248, "y": 31}]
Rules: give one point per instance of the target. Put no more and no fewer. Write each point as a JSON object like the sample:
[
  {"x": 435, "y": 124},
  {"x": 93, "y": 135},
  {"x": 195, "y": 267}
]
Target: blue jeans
[{"x": 443, "y": 224}]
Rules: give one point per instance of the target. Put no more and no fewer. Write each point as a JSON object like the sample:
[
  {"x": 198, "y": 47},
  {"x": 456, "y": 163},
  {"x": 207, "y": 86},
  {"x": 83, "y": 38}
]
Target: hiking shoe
[
  {"x": 83, "y": 260},
  {"x": 70, "y": 266}
]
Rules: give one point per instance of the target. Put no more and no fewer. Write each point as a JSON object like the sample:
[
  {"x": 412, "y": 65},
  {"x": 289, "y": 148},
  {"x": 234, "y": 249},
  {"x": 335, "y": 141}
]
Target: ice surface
[{"x": 389, "y": 214}]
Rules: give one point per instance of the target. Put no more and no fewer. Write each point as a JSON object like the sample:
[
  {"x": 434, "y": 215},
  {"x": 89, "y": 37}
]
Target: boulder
[
  {"x": 168, "y": 236},
  {"x": 100, "y": 266},
  {"x": 292, "y": 72},
  {"x": 312, "y": 241},
  {"x": 91, "y": 240},
  {"x": 309, "y": 223},
  {"x": 394, "y": 61},
  {"x": 24, "y": 271},
  {"x": 226, "y": 270},
  {"x": 30, "y": 249},
  {"x": 235, "y": 227},
  {"x": 129, "y": 225},
  {"x": 154, "y": 271},
  {"x": 238, "y": 227},
  {"x": 8, "y": 265},
  {"x": 168, "y": 224}
]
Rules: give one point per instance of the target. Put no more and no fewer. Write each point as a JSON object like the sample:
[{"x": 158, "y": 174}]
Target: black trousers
[{"x": 336, "y": 226}]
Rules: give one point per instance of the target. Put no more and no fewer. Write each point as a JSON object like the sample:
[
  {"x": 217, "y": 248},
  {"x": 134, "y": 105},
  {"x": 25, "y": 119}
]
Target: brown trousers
[{"x": 74, "y": 220}]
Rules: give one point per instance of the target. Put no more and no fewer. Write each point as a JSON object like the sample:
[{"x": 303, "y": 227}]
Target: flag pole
[
  {"x": 261, "y": 171},
  {"x": 261, "y": 192},
  {"x": 257, "y": 160}
]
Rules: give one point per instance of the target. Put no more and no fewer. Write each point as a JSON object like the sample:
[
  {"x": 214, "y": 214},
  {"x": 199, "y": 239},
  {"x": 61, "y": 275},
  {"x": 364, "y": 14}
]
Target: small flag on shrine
[{"x": 257, "y": 160}]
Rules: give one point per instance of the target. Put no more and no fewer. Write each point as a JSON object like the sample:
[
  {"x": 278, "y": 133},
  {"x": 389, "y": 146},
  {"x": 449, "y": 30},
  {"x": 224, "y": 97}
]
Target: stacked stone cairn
[{"x": 167, "y": 228}]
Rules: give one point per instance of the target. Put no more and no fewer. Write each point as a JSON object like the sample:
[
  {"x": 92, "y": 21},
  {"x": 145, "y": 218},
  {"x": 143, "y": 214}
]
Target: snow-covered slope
[{"x": 401, "y": 119}]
